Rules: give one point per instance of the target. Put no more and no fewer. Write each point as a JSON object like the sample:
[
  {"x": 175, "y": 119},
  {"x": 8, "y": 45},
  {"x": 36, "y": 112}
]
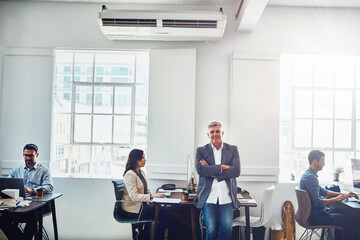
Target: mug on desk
[
  {"x": 185, "y": 196},
  {"x": 39, "y": 193}
]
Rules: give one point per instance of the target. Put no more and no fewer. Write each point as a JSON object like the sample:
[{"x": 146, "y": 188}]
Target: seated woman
[{"x": 136, "y": 189}]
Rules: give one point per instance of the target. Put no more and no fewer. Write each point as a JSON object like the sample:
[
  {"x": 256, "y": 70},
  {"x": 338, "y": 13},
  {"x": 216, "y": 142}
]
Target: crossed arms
[{"x": 218, "y": 171}]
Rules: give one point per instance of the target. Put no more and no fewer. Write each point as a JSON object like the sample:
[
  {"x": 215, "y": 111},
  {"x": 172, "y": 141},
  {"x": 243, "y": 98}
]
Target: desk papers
[
  {"x": 239, "y": 196},
  {"x": 166, "y": 200},
  {"x": 247, "y": 200},
  {"x": 170, "y": 191}
]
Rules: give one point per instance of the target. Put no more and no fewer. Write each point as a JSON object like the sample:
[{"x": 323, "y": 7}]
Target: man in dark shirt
[{"x": 320, "y": 214}]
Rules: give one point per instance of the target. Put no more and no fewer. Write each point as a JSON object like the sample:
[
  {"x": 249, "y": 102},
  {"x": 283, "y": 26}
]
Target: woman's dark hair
[{"x": 134, "y": 156}]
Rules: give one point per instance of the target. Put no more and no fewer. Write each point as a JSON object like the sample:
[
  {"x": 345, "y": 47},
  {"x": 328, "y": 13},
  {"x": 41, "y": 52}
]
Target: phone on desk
[{"x": 168, "y": 186}]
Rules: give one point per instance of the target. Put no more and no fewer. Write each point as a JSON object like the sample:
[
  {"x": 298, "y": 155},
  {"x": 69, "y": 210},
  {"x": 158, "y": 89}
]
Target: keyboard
[{"x": 352, "y": 199}]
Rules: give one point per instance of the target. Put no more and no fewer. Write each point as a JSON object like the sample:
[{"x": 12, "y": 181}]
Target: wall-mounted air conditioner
[{"x": 162, "y": 25}]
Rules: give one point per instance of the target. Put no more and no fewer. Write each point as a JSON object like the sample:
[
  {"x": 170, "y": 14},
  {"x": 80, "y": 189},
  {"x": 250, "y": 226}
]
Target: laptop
[
  {"x": 355, "y": 167},
  {"x": 12, "y": 183}
]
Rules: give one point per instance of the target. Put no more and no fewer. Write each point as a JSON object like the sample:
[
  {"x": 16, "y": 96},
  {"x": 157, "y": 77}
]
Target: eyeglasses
[
  {"x": 217, "y": 131},
  {"x": 29, "y": 155}
]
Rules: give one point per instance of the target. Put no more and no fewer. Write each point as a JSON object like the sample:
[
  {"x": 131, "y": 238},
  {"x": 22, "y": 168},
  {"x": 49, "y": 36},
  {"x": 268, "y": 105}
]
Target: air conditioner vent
[
  {"x": 118, "y": 22},
  {"x": 189, "y": 23}
]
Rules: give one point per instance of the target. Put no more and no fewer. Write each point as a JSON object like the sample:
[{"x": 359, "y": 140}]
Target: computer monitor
[
  {"x": 189, "y": 172},
  {"x": 12, "y": 183},
  {"x": 355, "y": 166}
]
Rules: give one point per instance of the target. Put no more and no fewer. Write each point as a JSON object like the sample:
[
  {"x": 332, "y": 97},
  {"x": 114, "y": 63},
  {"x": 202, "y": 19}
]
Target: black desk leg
[
  {"x": 53, "y": 212},
  {"x": 247, "y": 219},
  {"x": 37, "y": 215},
  {"x": 193, "y": 226},
  {"x": 156, "y": 219},
  {"x": 40, "y": 217}
]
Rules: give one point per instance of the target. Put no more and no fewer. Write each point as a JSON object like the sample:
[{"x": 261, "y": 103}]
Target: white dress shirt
[{"x": 219, "y": 190}]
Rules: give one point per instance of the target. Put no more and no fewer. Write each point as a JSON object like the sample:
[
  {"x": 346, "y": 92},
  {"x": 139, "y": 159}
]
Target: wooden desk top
[
  {"x": 46, "y": 198},
  {"x": 178, "y": 195},
  {"x": 32, "y": 206}
]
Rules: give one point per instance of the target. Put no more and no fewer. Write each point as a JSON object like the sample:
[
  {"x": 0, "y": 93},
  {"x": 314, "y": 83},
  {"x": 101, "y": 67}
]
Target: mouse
[{"x": 358, "y": 201}]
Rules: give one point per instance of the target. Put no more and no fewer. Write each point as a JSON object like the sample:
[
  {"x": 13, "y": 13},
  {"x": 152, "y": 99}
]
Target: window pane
[
  {"x": 83, "y": 99},
  {"x": 80, "y": 160},
  {"x": 82, "y": 128},
  {"x": 101, "y": 160},
  {"x": 114, "y": 68},
  {"x": 358, "y": 135},
  {"x": 102, "y": 129},
  {"x": 61, "y": 128},
  {"x": 122, "y": 100},
  {"x": 303, "y": 72},
  {"x": 323, "y": 133},
  {"x": 343, "y": 159},
  {"x": 62, "y": 97},
  {"x": 343, "y": 105},
  {"x": 141, "y": 100},
  {"x": 142, "y": 68},
  {"x": 63, "y": 67},
  {"x": 300, "y": 163},
  {"x": 342, "y": 134},
  {"x": 326, "y": 173},
  {"x": 83, "y": 71},
  {"x": 323, "y": 104},
  {"x": 103, "y": 99},
  {"x": 140, "y": 130},
  {"x": 120, "y": 157},
  {"x": 323, "y": 72},
  {"x": 357, "y": 104},
  {"x": 60, "y": 164},
  {"x": 302, "y": 133},
  {"x": 122, "y": 129},
  {"x": 303, "y": 104},
  {"x": 357, "y": 65},
  {"x": 345, "y": 72}
]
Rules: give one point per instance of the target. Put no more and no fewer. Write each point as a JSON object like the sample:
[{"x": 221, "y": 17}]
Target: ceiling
[{"x": 294, "y": 3}]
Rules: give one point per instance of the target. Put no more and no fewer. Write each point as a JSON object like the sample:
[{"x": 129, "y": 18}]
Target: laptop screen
[
  {"x": 12, "y": 183},
  {"x": 355, "y": 166}
]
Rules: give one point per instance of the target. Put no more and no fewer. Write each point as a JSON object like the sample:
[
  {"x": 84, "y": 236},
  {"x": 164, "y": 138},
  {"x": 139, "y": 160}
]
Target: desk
[
  {"x": 188, "y": 204},
  {"x": 192, "y": 211},
  {"x": 247, "y": 214},
  {"x": 350, "y": 208},
  {"x": 35, "y": 208},
  {"x": 50, "y": 198}
]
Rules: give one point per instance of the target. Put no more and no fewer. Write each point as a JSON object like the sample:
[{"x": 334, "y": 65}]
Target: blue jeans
[
  {"x": 349, "y": 223},
  {"x": 149, "y": 213},
  {"x": 218, "y": 221}
]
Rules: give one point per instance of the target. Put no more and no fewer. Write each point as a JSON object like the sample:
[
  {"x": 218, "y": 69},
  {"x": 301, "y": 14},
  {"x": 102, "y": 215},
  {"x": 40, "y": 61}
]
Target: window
[
  {"x": 319, "y": 109},
  {"x": 100, "y": 104}
]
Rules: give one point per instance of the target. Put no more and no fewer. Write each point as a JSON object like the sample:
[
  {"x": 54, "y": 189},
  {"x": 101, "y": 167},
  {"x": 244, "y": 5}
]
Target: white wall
[{"x": 85, "y": 210}]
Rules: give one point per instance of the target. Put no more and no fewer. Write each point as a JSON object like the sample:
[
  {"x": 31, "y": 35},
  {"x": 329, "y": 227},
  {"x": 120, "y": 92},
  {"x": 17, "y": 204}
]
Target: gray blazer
[{"x": 229, "y": 156}]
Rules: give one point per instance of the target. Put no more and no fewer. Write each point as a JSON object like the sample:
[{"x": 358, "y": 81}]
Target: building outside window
[
  {"x": 319, "y": 109},
  {"x": 99, "y": 111}
]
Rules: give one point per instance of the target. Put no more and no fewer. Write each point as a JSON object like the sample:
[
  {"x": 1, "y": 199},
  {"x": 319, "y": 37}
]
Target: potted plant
[{"x": 336, "y": 173}]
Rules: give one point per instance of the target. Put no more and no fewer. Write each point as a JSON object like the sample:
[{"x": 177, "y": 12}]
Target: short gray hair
[{"x": 214, "y": 124}]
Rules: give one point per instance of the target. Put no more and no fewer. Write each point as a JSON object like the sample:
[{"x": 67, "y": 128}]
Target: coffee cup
[
  {"x": 185, "y": 197},
  {"x": 39, "y": 193}
]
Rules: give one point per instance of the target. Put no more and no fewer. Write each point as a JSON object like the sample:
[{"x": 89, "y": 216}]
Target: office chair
[
  {"x": 302, "y": 216},
  {"x": 137, "y": 224},
  {"x": 266, "y": 211}
]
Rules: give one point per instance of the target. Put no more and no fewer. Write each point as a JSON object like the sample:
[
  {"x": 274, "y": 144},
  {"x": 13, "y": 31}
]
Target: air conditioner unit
[{"x": 162, "y": 25}]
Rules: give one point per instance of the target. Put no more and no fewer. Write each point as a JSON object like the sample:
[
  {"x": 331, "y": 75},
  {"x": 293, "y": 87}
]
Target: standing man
[
  {"x": 35, "y": 176},
  {"x": 218, "y": 166},
  {"x": 320, "y": 214}
]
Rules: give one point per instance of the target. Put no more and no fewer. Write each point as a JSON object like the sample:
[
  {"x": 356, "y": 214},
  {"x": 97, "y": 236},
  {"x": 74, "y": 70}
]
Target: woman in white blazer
[{"x": 136, "y": 189}]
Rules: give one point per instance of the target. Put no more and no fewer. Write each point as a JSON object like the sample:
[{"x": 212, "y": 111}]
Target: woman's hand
[{"x": 158, "y": 195}]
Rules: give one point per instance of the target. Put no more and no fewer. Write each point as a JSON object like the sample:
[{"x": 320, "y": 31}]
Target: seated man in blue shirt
[
  {"x": 320, "y": 214},
  {"x": 35, "y": 176}
]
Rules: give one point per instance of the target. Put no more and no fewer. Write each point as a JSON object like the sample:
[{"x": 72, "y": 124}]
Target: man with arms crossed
[
  {"x": 320, "y": 214},
  {"x": 35, "y": 176},
  {"x": 218, "y": 166}
]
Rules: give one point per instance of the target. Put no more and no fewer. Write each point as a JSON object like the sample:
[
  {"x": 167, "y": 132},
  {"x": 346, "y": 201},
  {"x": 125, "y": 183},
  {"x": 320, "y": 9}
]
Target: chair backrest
[
  {"x": 119, "y": 188},
  {"x": 304, "y": 207},
  {"x": 266, "y": 205}
]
